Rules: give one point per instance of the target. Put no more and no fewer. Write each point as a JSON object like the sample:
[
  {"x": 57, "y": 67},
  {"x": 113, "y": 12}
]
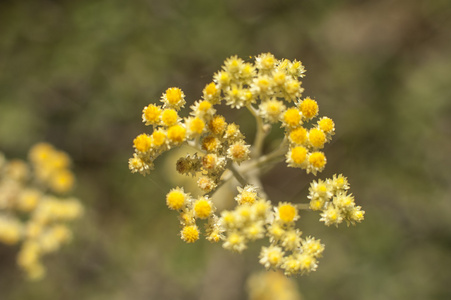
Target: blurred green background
[{"x": 78, "y": 73}]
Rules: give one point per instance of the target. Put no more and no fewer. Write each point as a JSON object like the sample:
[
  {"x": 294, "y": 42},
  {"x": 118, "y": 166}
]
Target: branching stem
[{"x": 259, "y": 135}]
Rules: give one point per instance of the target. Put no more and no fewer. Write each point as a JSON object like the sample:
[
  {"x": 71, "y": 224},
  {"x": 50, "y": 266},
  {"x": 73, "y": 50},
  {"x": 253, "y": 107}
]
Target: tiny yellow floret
[
  {"x": 210, "y": 143},
  {"x": 203, "y": 208},
  {"x": 316, "y": 138},
  {"x": 317, "y": 204},
  {"x": 174, "y": 97},
  {"x": 169, "y": 117},
  {"x": 298, "y": 155},
  {"x": 271, "y": 110},
  {"x": 151, "y": 114},
  {"x": 196, "y": 125},
  {"x": 326, "y": 124},
  {"x": 204, "y": 106},
  {"x": 293, "y": 88},
  {"x": 142, "y": 143},
  {"x": 292, "y": 117},
  {"x": 238, "y": 151},
  {"x": 222, "y": 78},
  {"x": 248, "y": 197},
  {"x": 298, "y": 136},
  {"x": 317, "y": 160},
  {"x": 206, "y": 184},
  {"x": 190, "y": 234},
  {"x": 218, "y": 124},
  {"x": 158, "y": 137},
  {"x": 279, "y": 77},
  {"x": 287, "y": 212},
  {"x": 62, "y": 181},
  {"x": 211, "y": 89},
  {"x": 28, "y": 200},
  {"x": 309, "y": 108},
  {"x": 176, "y": 133},
  {"x": 176, "y": 199},
  {"x": 265, "y": 61}
]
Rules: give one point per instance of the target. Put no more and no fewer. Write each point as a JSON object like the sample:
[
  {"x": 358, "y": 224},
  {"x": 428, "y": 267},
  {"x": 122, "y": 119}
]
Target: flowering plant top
[
  {"x": 36, "y": 206},
  {"x": 270, "y": 89}
]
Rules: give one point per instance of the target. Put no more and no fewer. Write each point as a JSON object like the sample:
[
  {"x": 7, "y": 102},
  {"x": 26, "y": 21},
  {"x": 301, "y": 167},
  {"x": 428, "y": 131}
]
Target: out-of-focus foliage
[{"x": 77, "y": 74}]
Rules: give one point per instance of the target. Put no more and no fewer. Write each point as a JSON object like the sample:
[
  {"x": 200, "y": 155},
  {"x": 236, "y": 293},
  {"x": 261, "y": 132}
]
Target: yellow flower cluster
[
  {"x": 331, "y": 197},
  {"x": 272, "y": 285},
  {"x": 34, "y": 208},
  {"x": 287, "y": 250},
  {"x": 270, "y": 89}
]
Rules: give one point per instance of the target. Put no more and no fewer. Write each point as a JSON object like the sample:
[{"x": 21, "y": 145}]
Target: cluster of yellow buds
[
  {"x": 272, "y": 285},
  {"x": 331, "y": 197},
  {"x": 34, "y": 207},
  {"x": 270, "y": 89}
]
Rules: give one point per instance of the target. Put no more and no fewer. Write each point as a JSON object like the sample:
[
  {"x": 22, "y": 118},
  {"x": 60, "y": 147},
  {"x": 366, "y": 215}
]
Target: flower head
[
  {"x": 292, "y": 117},
  {"x": 238, "y": 151},
  {"x": 203, "y": 208},
  {"x": 317, "y": 162},
  {"x": 173, "y": 98},
  {"x": 309, "y": 108},
  {"x": 287, "y": 212},
  {"x": 190, "y": 233},
  {"x": 169, "y": 117},
  {"x": 271, "y": 257},
  {"x": 271, "y": 110},
  {"x": 297, "y": 157},
  {"x": 151, "y": 114},
  {"x": 176, "y": 199},
  {"x": 316, "y": 138},
  {"x": 142, "y": 142},
  {"x": 176, "y": 134}
]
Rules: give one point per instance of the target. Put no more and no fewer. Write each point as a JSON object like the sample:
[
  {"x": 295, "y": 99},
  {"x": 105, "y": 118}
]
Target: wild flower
[
  {"x": 271, "y": 90},
  {"x": 35, "y": 206}
]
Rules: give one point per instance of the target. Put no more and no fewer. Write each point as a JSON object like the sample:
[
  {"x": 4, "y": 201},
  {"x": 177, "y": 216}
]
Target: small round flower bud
[
  {"x": 151, "y": 114},
  {"x": 292, "y": 117},
  {"x": 169, "y": 117},
  {"x": 271, "y": 257},
  {"x": 217, "y": 125},
  {"x": 331, "y": 216},
  {"x": 211, "y": 143},
  {"x": 203, "y": 208},
  {"x": 327, "y": 125},
  {"x": 271, "y": 110},
  {"x": 195, "y": 126},
  {"x": 173, "y": 98},
  {"x": 176, "y": 134},
  {"x": 235, "y": 241},
  {"x": 176, "y": 199},
  {"x": 142, "y": 143},
  {"x": 206, "y": 184},
  {"x": 190, "y": 233},
  {"x": 309, "y": 108},
  {"x": 159, "y": 138},
  {"x": 287, "y": 212},
  {"x": 297, "y": 156},
  {"x": 316, "y": 138},
  {"x": 317, "y": 162},
  {"x": 298, "y": 135},
  {"x": 238, "y": 151}
]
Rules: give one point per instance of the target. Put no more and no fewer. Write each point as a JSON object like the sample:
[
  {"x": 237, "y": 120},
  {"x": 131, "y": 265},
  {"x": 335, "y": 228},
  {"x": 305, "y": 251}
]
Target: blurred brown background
[{"x": 78, "y": 73}]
